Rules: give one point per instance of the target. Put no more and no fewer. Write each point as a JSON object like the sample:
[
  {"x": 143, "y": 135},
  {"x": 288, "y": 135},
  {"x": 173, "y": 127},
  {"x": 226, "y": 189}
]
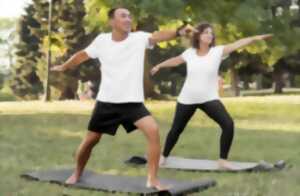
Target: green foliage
[
  {"x": 75, "y": 25},
  {"x": 141, "y": 9}
]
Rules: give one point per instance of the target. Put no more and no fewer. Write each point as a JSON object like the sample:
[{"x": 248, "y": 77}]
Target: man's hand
[
  {"x": 71, "y": 63},
  {"x": 154, "y": 70},
  {"x": 187, "y": 30},
  {"x": 58, "y": 68}
]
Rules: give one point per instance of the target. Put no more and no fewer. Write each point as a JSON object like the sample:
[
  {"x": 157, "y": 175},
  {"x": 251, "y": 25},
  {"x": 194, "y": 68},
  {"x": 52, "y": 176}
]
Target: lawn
[{"x": 37, "y": 135}]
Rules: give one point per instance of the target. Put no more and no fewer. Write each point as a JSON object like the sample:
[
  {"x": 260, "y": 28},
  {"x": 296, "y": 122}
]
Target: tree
[
  {"x": 241, "y": 18},
  {"x": 68, "y": 37},
  {"x": 24, "y": 81}
]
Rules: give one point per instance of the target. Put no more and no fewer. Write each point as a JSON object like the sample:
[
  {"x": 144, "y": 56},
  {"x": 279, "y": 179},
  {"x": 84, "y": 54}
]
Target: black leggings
[{"x": 215, "y": 110}]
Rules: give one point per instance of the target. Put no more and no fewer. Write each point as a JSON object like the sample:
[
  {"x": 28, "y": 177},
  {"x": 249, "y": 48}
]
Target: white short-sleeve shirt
[
  {"x": 122, "y": 66},
  {"x": 201, "y": 84}
]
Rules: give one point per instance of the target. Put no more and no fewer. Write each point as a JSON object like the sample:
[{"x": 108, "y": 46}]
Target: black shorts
[{"x": 107, "y": 117}]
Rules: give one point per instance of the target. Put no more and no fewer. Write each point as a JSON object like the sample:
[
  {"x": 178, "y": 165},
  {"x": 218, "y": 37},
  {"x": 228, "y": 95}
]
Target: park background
[{"x": 43, "y": 115}]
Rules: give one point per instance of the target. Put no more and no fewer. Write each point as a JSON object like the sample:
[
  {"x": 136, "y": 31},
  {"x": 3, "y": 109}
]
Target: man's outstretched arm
[
  {"x": 166, "y": 35},
  {"x": 72, "y": 62}
]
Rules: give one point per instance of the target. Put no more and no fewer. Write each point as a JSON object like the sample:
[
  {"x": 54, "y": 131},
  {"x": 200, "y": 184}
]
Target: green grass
[{"x": 36, "y": 135}]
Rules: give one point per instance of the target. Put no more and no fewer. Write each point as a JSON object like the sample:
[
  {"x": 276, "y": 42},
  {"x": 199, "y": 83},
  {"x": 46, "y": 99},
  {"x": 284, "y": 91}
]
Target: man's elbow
[
  {"x": 81, "y": 56},
  {"x": 153, "y": 40}
]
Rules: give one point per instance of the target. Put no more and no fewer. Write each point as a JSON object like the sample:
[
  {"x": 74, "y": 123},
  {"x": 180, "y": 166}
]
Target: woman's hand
[{"x": 263, "y": 37}]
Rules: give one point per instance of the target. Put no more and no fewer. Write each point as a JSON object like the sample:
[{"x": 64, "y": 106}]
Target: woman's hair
[{"x": 201, "y": 28}]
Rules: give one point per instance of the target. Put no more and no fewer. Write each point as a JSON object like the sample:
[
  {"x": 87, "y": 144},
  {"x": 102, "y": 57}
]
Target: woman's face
[{"x": 206, "y": 36}]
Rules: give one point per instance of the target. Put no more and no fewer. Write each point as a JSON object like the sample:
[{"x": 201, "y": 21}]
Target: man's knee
[
  {"x": 92, "y": 139},
  {"x": 153, "y": 132}
]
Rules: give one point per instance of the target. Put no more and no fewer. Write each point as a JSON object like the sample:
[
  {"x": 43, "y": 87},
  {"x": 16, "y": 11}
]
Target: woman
[{"x": 200, "y": 89}]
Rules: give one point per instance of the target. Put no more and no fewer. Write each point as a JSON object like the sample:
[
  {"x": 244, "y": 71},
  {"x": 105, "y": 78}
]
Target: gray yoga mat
[
  {"x": 209, "y": 165},
  {"x": 115, "y": 183}
]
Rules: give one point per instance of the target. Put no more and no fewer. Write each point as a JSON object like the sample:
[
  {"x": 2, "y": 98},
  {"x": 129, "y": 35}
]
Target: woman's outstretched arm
[
  {"x": 244, "y": 42},
  {"x": 171, "y": 62}
]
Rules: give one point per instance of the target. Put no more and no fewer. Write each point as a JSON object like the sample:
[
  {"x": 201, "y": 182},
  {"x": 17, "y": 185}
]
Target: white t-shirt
[
  {"x": 201, "y": 84},
  {"x": 122, "y": 66}
]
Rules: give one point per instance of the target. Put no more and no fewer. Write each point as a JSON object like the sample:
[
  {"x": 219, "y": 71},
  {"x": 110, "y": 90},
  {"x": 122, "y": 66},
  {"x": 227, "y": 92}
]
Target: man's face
[{"x": 121, "y": 20}]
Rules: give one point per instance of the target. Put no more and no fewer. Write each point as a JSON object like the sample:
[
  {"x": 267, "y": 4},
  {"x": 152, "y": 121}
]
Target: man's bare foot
[
  {"x": 226, "y": 165},
  {"x": 155, "y": 184},
  {"x": 162, "y": 160},
  {"x": 73, "y": 179}
]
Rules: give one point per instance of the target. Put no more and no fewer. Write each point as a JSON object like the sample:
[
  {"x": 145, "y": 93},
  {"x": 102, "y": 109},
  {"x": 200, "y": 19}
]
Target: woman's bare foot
[
  {"x": 226, "y": 165},
  {"x": 73, "y": 179},
  {"x": 156, "y": 185},
  {"x": 162, "y": 160}
]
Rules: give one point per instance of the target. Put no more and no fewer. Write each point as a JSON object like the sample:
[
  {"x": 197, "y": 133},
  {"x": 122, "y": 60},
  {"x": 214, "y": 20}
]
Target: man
[{"x": 121, "y": 95}]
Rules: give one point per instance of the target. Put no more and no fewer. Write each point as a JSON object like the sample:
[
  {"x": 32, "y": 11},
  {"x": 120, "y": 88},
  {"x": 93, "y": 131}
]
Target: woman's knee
[{"x": 228, "y": 125}]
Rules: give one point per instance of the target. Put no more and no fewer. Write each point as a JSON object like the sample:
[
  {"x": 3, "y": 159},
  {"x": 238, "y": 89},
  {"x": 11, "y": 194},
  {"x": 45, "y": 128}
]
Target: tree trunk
[
  {"x": 278, "y": 81},
  {"x": 68, "y": 93},
  {"x": 234, "y": 80},
  {"x": 259, "y": 78},
  {"x": 148, "y": 84},
  {"x": 246, "y": 82},
  {"x": 173, "y": 87},
  {"x": 292, "y": 79},
  {"x": 149, "y": 26}
]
